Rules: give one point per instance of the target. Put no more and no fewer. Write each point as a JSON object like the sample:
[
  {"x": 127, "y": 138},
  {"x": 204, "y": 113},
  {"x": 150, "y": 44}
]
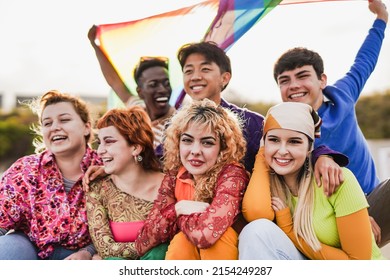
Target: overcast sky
[{"x": 44, "y": 43}]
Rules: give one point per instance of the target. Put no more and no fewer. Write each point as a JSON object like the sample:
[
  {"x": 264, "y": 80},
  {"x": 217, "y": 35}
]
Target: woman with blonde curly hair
[{"x": 200, "y": 197}]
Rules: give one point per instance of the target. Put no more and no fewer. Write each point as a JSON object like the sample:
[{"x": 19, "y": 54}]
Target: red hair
[{"x": 134, "y": 125}]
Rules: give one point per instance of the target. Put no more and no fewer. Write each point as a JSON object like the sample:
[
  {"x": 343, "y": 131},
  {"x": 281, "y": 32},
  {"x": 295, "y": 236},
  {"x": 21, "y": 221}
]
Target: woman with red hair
[{"x": 118, "y": 204}]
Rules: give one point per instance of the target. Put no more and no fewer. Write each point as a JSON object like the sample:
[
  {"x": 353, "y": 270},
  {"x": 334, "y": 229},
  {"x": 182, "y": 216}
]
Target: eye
[
  {"x": 46, "y": 124},
  {"x": 65, "y": 120},
  {"x": 152, "y": 84},
  {"x": 166, "y": 83},
  {"x": 188, "y": 71},
  {"x": 208, "y": 143},
  {"x": 273, "y": 139},
  {"x": 295, "y": 141},
  {"x": 283, "y": 82},
  {"x": 110, "y": 141},
  {"x": 303, "y": 76},
  {"x": 186, "y": 140}
]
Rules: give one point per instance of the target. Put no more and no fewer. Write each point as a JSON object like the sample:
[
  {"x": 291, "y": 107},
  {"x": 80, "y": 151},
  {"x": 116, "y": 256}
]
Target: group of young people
[{"x": 210, "y": 180}]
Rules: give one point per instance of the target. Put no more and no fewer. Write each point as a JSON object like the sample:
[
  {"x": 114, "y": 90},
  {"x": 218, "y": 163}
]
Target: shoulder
[
  {"x": 234, "y": 170},
  {"x": 99, "y": 184},
  {"x": 350, "y": 185},
  {"x": 169, "y": 179},
  {"x": 251, "y": 121},
  {"x": 27, "y": 162},
  {"x": 241, "y": 111},
  {"x": 23, "y": 171}
]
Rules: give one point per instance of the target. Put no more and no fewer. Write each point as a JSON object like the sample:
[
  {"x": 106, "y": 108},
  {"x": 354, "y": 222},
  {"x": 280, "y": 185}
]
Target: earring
[
  {"x": 138, "y": 158},
  {"x": 272, "y": 172},
  {"x": 307, "y": 167}
]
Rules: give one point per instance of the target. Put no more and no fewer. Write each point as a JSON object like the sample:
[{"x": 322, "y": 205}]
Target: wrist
[
  {"x": 328, "y": 156},
  {"x": 89, "y": 249}
]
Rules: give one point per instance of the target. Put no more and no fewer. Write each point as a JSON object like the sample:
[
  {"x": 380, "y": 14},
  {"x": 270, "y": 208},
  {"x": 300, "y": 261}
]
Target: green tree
[
  {"x": 15, "y": 135},
  {"x": 373, "y": 114}
]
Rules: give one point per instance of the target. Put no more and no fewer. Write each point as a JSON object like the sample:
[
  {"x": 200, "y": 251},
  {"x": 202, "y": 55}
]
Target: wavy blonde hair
[
  {"x": 205, "y": 115},
  {"x": 303, "y": 213}
]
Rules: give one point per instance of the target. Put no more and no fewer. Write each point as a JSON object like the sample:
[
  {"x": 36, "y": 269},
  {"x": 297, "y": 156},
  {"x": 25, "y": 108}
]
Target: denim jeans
[
  {"x": 263, "y": 240},
  {"x": 17, "y": 246}
]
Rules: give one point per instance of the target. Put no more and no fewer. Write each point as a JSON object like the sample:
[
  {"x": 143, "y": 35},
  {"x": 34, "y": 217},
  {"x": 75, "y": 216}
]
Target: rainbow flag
[{"x": 119, "y": 46}]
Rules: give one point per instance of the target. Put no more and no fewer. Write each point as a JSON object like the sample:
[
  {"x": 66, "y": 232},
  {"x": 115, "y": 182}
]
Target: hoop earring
[{"x": 272, "y": 172}]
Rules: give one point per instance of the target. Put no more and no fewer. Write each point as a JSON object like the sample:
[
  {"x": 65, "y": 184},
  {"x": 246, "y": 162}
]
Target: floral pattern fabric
[{"x": 33, "y": 200}]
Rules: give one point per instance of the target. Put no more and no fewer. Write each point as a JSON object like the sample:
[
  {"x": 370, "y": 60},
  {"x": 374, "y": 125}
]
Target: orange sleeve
[
  {"x": 257, "y": 198},
  {"x": 354, "y": 232}
]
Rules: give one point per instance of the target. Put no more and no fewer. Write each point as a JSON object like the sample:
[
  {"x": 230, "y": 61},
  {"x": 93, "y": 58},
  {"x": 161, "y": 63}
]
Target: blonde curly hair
[{"x": 205, "y": 115}]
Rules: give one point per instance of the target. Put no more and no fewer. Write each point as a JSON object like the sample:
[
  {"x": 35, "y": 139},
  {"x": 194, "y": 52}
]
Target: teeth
[
  {"x": 162, "y": 99},
  {"x": 197, "y": 87},
  {"x": 58, "y": 137},
  {"x": 282, "y": 160},
  {"x": 297, "y": 95}
]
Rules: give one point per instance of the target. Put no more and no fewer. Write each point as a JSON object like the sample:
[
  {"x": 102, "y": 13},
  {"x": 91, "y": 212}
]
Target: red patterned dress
[{"x": 202, "y": 229}]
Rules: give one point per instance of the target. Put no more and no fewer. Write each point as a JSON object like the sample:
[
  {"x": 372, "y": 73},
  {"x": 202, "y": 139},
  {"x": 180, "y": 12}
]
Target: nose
[
  {"x": 196, "y": 76},
  {"x": 294, "y": 83},
  {"x": 101, "y": 150},
  {"x": 282, "y": 149},
  {"x": 161, "y": 87},
  {"x": 195, "y": 149},
  {"x": 55, "y": 126}
]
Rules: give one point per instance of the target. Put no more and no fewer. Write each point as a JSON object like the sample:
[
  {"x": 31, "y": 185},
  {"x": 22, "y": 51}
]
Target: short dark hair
[
  {"x": 210, "y": 51},
  {"x": 298, "y": 57},
  {"x": 146, "y": 63}
]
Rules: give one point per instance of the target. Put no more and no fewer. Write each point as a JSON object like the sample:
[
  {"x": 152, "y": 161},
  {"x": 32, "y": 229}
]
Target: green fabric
[
  {"x": 347, "y": 199},
  {"x": 114, "y": 258},
  {"x": 157, "y": 253}
]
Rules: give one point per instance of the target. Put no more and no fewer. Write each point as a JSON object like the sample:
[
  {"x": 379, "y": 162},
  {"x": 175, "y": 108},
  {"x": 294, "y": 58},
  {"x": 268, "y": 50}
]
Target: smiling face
[
  {"x": 285, "y": 152},
  {"x": 302, "y": 85},
  {"x": 63, "y": 130},
  {"x": 203, "y": 79},
  {"x": 199, "y": 150},
  {"x": 114, "y": 150},
  {"x": 154, "y": 88}
]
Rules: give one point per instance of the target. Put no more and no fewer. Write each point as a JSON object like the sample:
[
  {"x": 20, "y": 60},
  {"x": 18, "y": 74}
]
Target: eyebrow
[
  {"x": 296, "y": 74},
  {"x": 61, "y": 115},
  {"x": 203, "y": 138},
  {"x": 205, "y": 62},
  {"x": 290, "y": 138}
]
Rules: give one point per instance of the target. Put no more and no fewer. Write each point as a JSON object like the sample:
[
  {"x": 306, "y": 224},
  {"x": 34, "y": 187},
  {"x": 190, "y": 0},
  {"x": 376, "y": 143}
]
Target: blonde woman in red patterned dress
[{"x": 200, "y": 197}]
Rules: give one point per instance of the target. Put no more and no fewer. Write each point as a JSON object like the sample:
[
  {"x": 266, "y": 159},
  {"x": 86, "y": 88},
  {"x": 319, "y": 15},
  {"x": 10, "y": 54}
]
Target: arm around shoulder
[{"x": 257, "y": 198}]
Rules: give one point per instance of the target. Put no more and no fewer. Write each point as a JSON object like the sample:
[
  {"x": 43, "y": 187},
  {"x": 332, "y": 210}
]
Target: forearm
[
  {"x": 354, "y": 235},
  {"x": 159, "y": 227},
  {"x": 341, "y": 159},
  {"x": 257, "y": 198},
  {"x": 206, "y": 228}
]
